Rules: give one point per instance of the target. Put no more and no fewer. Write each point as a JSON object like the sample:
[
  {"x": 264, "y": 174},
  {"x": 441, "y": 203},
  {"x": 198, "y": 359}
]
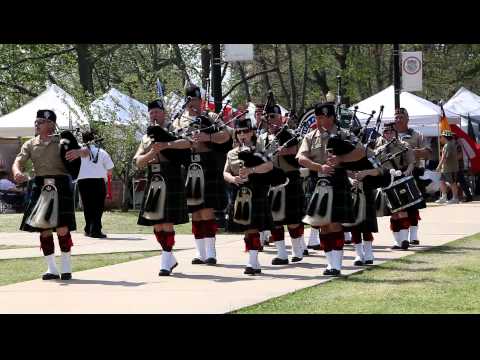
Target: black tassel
[
  {"x": 277, "y": 202},
  {"x": 197, "y": 191},
  {"x": 49, "y": 212},
  {"x": 323, "y": 206},
  {"x": 149, "y": 202},
  {"x": 188, "y": 188},
  {"x": 155, "y": 199},
  {"x": 312, "y": 206},
  {"x": 356, "y": 205},
  {"x": 238, "y": 211},
  {"x": 378, "y": 200},
  {"x": 269, "y": 198},
  {"x": 246, "y": 211}
]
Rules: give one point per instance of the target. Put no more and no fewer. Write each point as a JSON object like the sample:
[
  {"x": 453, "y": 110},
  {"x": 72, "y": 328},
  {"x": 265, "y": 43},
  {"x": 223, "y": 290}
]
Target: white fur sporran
[
  {"x": 278, "y": 197},
  {"x": 45, "y": 213},
  {"x": 359, "y": 204},
  {"x": 319, "y": 209},
  {"x": 242, "y": 211},
  {"x": 195, "y": 184},
  {"x": 155, "y": 202}
]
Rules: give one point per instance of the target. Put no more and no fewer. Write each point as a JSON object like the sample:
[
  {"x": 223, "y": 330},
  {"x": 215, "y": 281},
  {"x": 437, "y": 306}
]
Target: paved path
[{"x": 134, "y": 287}]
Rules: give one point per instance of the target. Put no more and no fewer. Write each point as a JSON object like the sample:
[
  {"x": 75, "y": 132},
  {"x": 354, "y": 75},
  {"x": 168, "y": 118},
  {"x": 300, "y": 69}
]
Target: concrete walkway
[{"x": 134, "y": 287}]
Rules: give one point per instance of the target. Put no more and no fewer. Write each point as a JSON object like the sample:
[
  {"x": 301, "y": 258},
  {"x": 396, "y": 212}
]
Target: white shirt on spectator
[
  {"x": 91, "y": 170},
  {"x": 6, "y": 184}
]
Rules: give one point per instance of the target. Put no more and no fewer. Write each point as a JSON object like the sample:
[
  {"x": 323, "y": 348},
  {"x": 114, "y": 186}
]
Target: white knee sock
[
  {"x": 359, "y": 252},
  {"x": 403, "y": 235},
  {"x": 413, "y": 233},
  {"x": 52, "y": 266},
  {"x": 166, "y": 262},
  {"x": 396, "y": 238},
  {"x": 368, "y": 250},
  {"x": 338, "y": 259},
  {"x": 281, "y": 249},
  {"x": 329, "y": 256},
  {"x": 297, "y": 247},
  {"x": 314, "y": 238},
  {"x": 66, "y": 262},
  {"x": 348, "y": 236},
  {"x": 201, "y": 250},
  {"x": 210, "y": 248},
  {"x": 253, "y": 259}
]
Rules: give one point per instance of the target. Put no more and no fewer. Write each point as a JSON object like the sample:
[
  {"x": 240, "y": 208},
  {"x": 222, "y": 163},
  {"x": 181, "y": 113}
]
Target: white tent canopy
[
  {"x": 465, "y": 103},
  {"x": 424, "y": 115},
  {"x": 120, "y": 108},
  {"x": 21, "y": 121}
]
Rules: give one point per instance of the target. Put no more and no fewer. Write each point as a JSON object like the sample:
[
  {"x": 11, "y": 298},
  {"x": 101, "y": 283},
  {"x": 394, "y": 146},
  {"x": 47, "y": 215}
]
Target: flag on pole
[
  {"x": 443, "y": 124},
  {"x": 471, "y": 131},
  {"x": 470, "y": 148}
]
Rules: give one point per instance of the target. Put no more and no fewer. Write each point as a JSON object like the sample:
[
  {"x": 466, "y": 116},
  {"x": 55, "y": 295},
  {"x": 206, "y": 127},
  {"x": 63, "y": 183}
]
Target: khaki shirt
[
  {"x": 146, "y": 144},
  {"x": 449, "y": 151},
  {"x": 415, "y": 140},
  {"x": 277, "y": 160},
  {"x": 314, "y": 144},
  {"x": 45, "y": 157},
  {"x": 401, "y": 162}
]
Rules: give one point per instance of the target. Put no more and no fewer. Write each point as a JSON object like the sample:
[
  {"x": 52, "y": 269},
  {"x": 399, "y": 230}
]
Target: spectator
[
  {"x": 91, "y": 184},
  {"x": 467, "y": 195},
  {"x": 5, "y": 184},
  {"x": 448, "y": 168}
]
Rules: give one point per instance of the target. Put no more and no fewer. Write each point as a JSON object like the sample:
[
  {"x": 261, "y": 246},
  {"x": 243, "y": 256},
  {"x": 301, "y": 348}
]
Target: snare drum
[{"x": 402, "y": 194}]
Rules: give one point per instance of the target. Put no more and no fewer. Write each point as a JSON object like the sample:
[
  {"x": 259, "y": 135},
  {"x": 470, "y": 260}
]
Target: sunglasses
[
  {"x": 245, "y": 131},
  {"x": 40, "y": 122}
]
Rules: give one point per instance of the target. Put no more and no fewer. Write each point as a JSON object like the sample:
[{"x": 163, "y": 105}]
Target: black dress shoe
[
  {"x": 368, "y": 262},
  {"x": 257, "y": 271},
  {"x": 49, "y": 276},
  {"x": 261, "y": 249},
  {"x": 358, "y": 263},
  {"x": 98, "y": 235},
  {"x": 296, "y": 259},
  {"x": 249, "y": 271},
  {"x": 197, "y": 261},
  {"x": 86, "y": 234},
  {"x": 335, "y": 272},
  {"x": 327, "y": 272},
  {"x": 314, "y": 247},
  {"x": 211, "y": 261},
  {"x": 414, "y": 242},
  {"x": 305, "y": 252},
  {"x": 164, "y": 272},
  {"x": 278, "y": 261},
  {"x": 348, "y": 242},
  {"x": 395, "y": 247},
  {"x": 405, "y": 244},
  {"x": 66, "y": 276}
]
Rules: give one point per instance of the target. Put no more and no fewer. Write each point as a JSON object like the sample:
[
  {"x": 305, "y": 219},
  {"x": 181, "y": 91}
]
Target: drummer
[{"x": 401, "y": 165}]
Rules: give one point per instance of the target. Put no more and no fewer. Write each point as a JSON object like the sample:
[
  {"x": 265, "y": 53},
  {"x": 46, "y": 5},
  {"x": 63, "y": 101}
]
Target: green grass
[
  {"x": 444, "y": 279},
  {"x": 18, "y": 270},
  {"x": 114, "y": 222}
]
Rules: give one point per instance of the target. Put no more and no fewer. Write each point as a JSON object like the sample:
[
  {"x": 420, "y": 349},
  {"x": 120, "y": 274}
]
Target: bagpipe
[
  {"x": 68, "y": 141},
  {"x": 285, "y": 138},
  {"x": 159, "y": 134}
]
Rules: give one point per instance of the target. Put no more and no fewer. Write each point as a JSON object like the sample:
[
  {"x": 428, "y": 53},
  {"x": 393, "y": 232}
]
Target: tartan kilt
[
  {"x": 370, "y": 223},
  {"x": 294, "y": 200},
  {"x": 66, "y": 210},
  {"x": 261, "y": 215},
  {"x": 215, "y": 191},
  {"x": 342, "y": 207},
  {"x": 175, "y": 202}
]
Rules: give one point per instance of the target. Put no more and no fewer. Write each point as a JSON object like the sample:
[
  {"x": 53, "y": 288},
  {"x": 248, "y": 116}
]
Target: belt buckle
[
  {"x": 48, "y": 181},
  {"x": 195, "y": 158},
  {"x": 156, "y": 168}
]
